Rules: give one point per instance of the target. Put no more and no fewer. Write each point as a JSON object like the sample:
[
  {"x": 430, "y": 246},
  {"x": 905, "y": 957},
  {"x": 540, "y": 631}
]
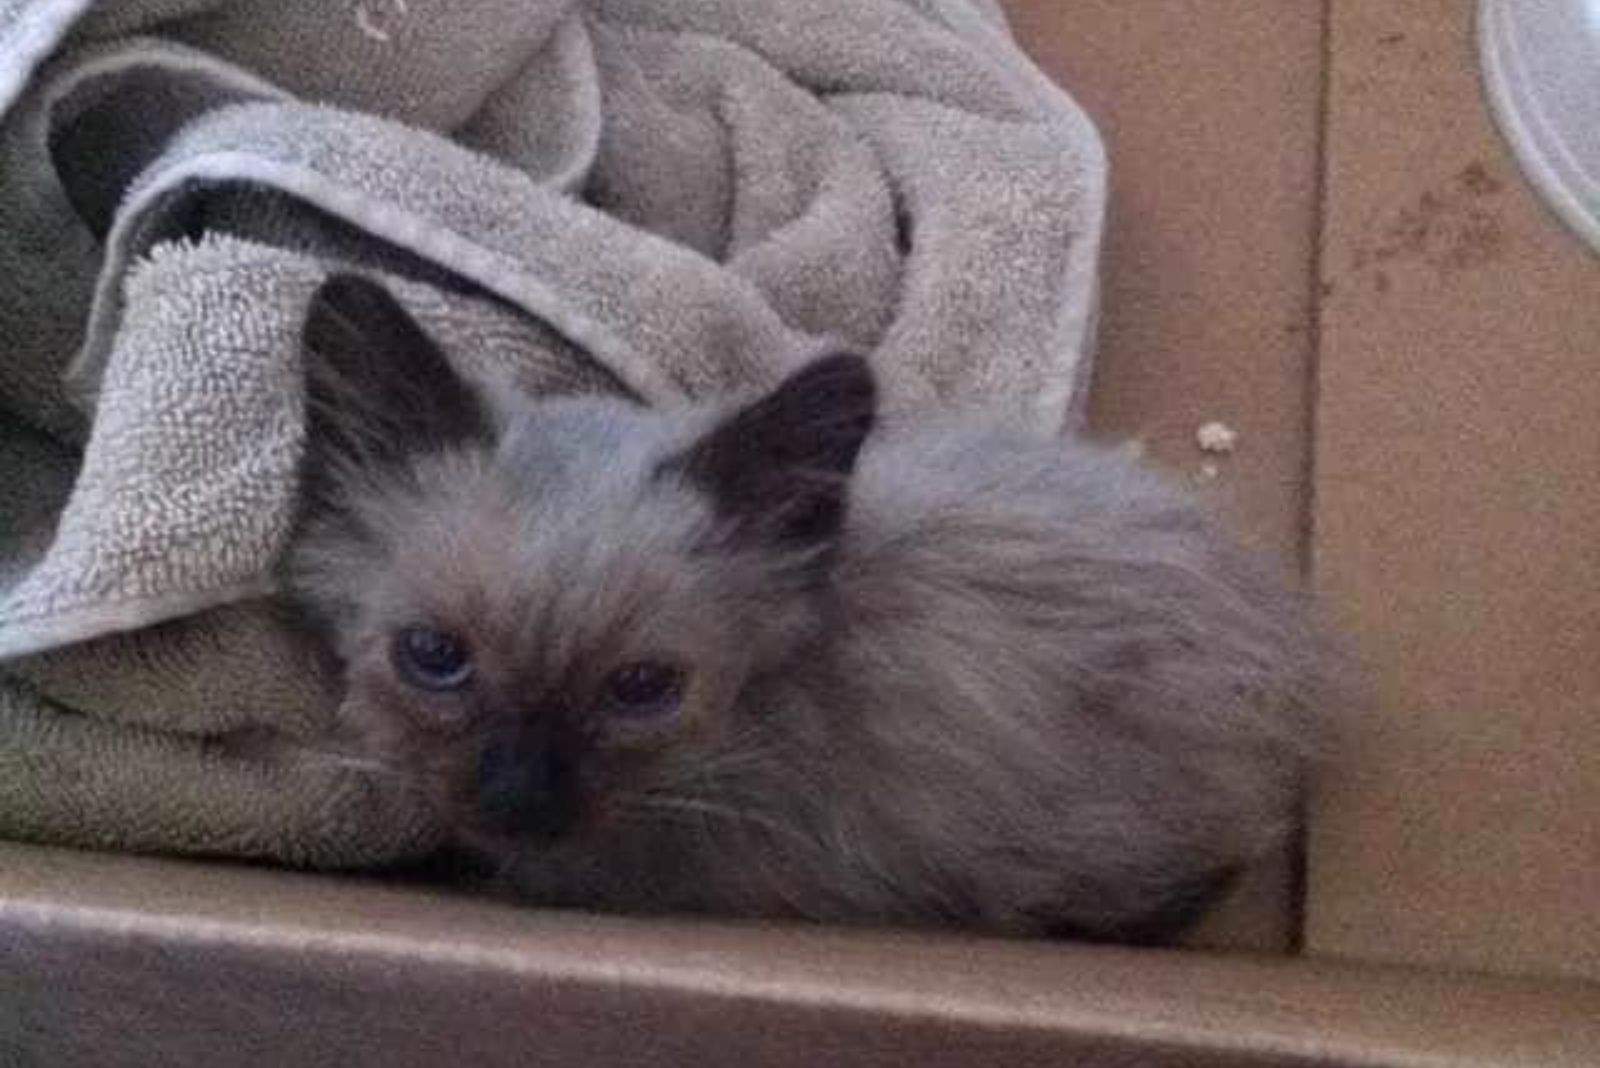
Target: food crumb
[
  {"x": 368, "y": 27},
  {"x": 1216, "y": 437},
  {"x": 372, "y": 25},
  {"x": 1209, "y": 472}
]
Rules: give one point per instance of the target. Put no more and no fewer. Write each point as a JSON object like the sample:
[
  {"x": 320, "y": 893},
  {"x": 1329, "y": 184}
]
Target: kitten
[{"x": 776, "y": 659}]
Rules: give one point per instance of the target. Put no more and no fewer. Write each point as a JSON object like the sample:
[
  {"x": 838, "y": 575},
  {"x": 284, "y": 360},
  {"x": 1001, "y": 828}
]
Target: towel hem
[
  {"x": 37, "y": 33},
  {"x": 102, "y": 619},
  {"x": 483, "y": 267}
]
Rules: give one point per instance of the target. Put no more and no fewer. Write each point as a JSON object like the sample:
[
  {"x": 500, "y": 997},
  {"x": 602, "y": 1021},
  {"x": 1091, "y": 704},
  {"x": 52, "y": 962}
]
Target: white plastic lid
[{"x": 1541, "y": 66}]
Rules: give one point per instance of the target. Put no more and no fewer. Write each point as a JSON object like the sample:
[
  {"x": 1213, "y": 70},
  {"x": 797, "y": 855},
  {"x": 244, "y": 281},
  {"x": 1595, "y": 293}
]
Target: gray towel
[{"x": 662, "y": 200}]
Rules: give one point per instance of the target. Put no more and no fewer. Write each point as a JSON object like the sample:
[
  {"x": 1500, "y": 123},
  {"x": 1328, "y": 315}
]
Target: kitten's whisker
[
  {"x": 340, "y": 759},
  {"x": 358, "y": 763},
  {"x": 704, "y": 812},
  {"x": 506, "y": 866}
]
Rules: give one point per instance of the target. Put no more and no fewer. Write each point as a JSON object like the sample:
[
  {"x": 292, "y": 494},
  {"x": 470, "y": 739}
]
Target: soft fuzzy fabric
[{"x": 663, "y": 200}]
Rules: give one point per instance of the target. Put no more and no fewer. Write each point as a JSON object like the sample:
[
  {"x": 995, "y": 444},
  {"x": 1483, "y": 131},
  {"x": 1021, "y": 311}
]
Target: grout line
[
  {"x": 1299, "y": 875},
  {"x": 1316, "y": 328}
]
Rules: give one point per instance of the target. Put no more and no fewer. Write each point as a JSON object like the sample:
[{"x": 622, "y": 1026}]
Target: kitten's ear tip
[
  {"x": 845, "y": 367},
  {"x": 847, "y": 381},
  {"x": 349, "y": 283},
  {"x": 845, "y": 362},
  {"x": 340, "y": 282},
  {"x": 348, "y": 296}
]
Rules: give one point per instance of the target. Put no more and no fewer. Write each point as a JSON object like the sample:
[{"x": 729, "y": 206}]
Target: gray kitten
[{"x": 776, "y": 659}]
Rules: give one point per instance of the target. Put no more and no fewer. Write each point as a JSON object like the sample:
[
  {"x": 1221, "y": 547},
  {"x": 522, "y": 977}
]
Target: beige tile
[
  {"x": 1457, "y": 521},
  {"x": 1210, "y": 116}
]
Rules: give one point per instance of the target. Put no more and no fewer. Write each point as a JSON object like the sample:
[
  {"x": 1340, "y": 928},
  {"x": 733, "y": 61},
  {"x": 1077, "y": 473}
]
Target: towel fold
[{"x": 657, "y": 200}]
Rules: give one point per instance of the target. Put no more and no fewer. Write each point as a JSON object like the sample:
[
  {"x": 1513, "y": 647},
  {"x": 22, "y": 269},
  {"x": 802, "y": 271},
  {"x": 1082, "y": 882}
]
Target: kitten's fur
[{"x": 970, "y": 677}]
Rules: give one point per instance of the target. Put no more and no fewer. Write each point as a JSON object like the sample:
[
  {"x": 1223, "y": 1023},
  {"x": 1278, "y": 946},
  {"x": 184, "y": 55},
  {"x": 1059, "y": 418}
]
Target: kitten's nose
[{"x": 527, "y": 788}]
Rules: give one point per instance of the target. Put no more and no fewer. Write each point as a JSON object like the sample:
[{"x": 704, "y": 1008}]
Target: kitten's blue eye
[
  {"x": 431, "y": 660},
  {"x": 645, "y": 690}
]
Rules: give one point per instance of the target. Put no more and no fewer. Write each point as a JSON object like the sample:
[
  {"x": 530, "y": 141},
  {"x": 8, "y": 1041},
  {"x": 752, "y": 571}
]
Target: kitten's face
[
  {"x": 549, "y": 614},
  {"x": 531, "y": 651}
]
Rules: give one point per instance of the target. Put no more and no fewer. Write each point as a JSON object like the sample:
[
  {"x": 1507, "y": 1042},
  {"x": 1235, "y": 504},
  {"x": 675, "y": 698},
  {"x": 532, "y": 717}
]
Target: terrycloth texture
[{"x": 661, "y": 199}]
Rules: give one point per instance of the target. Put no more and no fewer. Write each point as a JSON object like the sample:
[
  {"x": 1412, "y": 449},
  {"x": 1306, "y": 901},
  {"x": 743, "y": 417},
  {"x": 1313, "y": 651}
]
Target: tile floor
[{"x": 1317, "y": 236}]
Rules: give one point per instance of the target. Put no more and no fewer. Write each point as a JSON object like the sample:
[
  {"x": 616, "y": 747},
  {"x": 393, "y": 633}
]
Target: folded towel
[{"x": 660, "y": 200}]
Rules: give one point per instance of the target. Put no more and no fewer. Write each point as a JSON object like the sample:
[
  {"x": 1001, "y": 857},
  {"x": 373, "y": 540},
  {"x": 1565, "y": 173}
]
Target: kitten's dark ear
[
  {"x": 378, "y": 388},
  {"x": 780, "y": 468}
]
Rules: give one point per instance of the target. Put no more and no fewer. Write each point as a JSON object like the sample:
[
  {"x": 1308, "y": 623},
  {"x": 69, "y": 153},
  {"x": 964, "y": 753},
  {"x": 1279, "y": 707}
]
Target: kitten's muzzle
[{"x": 528, "y": 784}]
